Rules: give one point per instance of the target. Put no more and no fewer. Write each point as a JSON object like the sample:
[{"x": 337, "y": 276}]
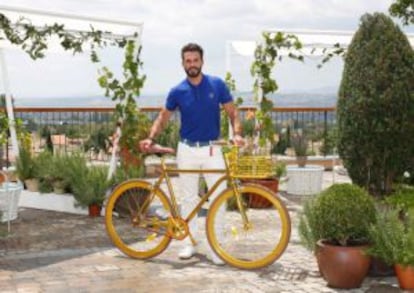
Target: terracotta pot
[
  {"x": 342, "y": 266},
  {"x": 3, "y": 177},
  {"x": 301, "y": 161},
  {"x": 378, "y": 268},
  {"x": 254, "y": 201},
  {"x": 405, "y": 276},
  {"x": 94, "y": 210}
]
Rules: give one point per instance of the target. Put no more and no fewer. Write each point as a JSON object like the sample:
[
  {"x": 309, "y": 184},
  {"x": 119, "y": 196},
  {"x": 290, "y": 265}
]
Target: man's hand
[
  {"x": 238, "y": 140},
  {"x": 145, "y": 145}
]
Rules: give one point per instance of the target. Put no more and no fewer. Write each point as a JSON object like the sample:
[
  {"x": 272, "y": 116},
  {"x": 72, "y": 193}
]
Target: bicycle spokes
[
  {"x": 248, "y": 238},
  {"x": 137, "y": 219}
]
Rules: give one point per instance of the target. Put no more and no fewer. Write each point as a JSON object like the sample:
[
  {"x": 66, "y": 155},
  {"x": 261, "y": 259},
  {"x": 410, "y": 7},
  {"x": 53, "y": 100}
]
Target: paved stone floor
[{"x": 59, "y": 252}]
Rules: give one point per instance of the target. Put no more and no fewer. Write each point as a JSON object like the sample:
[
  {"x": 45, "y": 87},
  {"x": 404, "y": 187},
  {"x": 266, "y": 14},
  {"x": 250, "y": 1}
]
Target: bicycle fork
[{"x": 240, "y": 205}]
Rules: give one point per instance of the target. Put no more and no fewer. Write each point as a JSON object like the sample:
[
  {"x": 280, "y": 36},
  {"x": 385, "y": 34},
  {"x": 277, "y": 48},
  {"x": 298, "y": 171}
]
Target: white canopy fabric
[
  {"x": 313, "y": 41},
  {"x": 72, "y": 23}
]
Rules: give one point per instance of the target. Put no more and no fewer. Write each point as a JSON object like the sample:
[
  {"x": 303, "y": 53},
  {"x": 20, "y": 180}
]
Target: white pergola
[{"x": 114, "y": 29}]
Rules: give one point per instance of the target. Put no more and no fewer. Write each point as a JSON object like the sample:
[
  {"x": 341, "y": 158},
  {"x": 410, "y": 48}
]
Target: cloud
[{"x": 168, "y": 24}]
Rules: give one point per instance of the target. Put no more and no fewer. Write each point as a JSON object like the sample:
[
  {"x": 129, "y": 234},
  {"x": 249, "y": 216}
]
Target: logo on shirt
[{"x": 211, "y": 95}]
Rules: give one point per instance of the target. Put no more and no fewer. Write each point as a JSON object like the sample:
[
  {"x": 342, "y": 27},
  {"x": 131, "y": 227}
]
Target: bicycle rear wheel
[
  {"x": 251, "y": 246},
  {"x": 136, "y": 219}
]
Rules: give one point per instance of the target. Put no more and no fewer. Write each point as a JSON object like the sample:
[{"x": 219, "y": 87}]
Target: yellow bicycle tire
[
  {"x": 111, "y": 218},
  {"x": 223, "y": 250}
]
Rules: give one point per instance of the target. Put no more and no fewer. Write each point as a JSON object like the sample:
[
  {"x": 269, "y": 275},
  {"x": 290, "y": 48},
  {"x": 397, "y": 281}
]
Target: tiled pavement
[{"x": 58, "y": 252}]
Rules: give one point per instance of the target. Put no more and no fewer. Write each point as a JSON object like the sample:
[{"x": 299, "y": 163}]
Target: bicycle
[{"x": 141, "y": 219}]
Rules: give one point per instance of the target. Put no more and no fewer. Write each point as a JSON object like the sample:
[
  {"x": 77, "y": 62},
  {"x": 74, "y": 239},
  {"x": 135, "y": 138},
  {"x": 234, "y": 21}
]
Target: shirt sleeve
[
  {"x": 171, "y": 102},
  {"x": 225, "y": 95}
]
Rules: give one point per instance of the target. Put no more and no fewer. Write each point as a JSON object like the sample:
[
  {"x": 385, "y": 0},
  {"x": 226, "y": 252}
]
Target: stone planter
[
  {"x": 301, "y": 161},
  {"x": 32, "y": 185},
  {"x": 50, "y": 201}
]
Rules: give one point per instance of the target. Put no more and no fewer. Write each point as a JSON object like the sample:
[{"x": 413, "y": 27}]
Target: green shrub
[
  {"x": 376, "y": 105},
  {"x": 91, "y": 187},
  {"x": 393, "y": 239},
  {"x": 340, "y": 215},
  {"x": 45, "y": 171},
  {"x": 96, "y": 185},
  {"x": 402, "y": 199},
  {"x": 76, "y": 167},
  {"x": 26, "y": 166}
]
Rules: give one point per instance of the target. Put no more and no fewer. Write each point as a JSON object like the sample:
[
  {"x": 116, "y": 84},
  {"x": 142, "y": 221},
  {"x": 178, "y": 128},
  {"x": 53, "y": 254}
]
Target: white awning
[
  {"x": 314, "y": 41},
  {"x": 71, "y": 22}
]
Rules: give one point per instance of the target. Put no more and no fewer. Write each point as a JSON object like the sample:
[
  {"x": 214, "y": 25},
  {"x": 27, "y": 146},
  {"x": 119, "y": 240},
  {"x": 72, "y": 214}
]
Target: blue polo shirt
[{"x": 199, "y": 107}]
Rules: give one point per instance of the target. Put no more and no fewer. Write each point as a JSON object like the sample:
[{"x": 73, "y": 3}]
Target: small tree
[
  {"x": 403, "y": 9},
  {"x": 376, "y": 105}
]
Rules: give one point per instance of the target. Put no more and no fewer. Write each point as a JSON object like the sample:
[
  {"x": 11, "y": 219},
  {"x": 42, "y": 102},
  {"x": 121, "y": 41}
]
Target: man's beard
[{"x": 193, "y": 71}]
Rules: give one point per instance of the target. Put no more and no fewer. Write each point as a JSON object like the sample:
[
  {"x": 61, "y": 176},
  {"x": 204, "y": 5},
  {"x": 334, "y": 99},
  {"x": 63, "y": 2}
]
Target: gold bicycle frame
[{"x": 165, "y": 171}]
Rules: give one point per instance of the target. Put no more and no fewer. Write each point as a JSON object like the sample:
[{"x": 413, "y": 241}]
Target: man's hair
[{"x": 192, "y": 47}]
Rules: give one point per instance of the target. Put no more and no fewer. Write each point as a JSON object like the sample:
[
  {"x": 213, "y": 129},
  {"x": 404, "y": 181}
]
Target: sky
[{"x": 169, "y": 24}]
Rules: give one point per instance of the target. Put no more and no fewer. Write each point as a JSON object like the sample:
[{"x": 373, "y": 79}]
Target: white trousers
[{"x": 205, "y": 157}]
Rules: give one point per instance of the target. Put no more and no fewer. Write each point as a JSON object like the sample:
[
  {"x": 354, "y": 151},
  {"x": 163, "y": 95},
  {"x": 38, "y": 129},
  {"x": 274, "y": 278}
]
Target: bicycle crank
[{"x": 177, "y": 228}]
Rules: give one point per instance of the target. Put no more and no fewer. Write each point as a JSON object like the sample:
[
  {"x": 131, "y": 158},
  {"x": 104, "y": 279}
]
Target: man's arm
[
  {"x": 158, "y": 125},
  {"x": 233, "y": 114}
]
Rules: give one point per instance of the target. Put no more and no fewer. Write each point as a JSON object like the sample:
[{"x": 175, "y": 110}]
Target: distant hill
[{"x": 280, "y": 100}]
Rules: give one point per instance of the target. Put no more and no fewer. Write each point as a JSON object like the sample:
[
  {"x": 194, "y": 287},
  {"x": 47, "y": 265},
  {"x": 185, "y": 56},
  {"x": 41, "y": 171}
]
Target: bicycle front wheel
[
  {"x": 250, "y": 242},
  {"x": 136, "y": 218}
]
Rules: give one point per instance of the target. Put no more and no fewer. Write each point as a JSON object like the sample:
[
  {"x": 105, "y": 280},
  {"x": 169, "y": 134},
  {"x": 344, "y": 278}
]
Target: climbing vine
[
  {"x": 266, "y": 55},
  {"x": 34, "y": 40}
]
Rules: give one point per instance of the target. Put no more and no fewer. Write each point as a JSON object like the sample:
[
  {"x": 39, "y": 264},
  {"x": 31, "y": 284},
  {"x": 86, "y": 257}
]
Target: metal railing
[{"x": 72, "y": 129}]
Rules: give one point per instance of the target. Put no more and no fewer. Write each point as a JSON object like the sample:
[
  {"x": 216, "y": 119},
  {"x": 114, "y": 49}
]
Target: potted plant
[
  {"x": 59, "y": 178},
  {"x": 299, "y": 143},
  {"x": 334, "y": 225},
  {"x": 45, "y": 172},
  {"x": 89, "y": 189},
  {"x": 87, "y": 184},
  {"x": 393, "y": 242},
  {"x": 27, "y": 169}
]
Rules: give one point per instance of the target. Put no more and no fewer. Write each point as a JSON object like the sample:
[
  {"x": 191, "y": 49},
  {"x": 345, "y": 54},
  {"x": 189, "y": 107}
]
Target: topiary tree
[{"x": 376, "y": 105}]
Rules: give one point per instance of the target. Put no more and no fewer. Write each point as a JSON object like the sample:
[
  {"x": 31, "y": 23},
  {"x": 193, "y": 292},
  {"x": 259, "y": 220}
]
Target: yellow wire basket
[{"x": 248, "y": 166}]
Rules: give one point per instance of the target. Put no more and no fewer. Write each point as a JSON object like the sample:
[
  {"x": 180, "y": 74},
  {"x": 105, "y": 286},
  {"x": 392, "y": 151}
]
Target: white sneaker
[
  {"x": 215, "y": 259},
  {"x": 187, "y": 252}
]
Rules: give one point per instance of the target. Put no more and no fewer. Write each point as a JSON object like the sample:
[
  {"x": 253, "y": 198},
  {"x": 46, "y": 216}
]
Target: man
[{"x": 198, "y": 98}]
